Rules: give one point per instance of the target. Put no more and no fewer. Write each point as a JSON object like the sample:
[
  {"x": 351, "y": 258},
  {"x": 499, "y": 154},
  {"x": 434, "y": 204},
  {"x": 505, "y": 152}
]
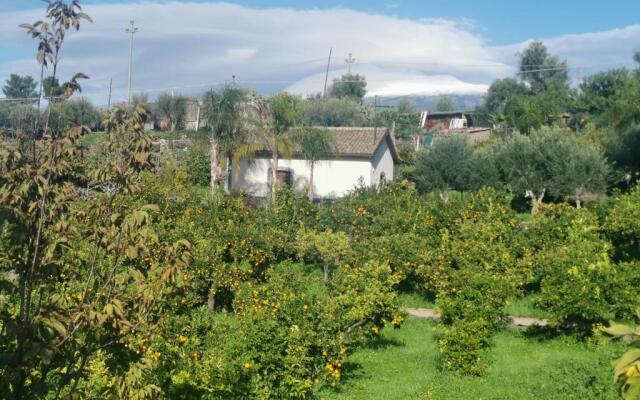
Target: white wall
[
  {"x": 332, "y": 178},
  {"x": 382, "y": 162}
]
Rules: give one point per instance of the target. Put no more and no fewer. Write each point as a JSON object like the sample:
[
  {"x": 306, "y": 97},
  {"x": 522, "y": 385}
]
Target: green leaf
[
  {"x": 623, "y": 363},
  {"x": 56, "y": 326},
  {"x": 131, "y": 252},
  {"x": 619, "y": 330}
]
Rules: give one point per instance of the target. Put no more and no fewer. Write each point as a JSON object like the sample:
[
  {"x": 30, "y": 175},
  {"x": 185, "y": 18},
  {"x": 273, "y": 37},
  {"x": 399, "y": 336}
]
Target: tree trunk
[
  {"x": 310, "y": 192},
  {"x": 41, "y": 88},
  {"x": 274, "y": 174},
  {"x": 228, "y": 176},
  {"x": 211, "y": 301},
  {"x": 326, "y": 273},
  {"x": 535, "y": 200},
  {"x": 215, "y": 168},
  {"x": 578, "y": 195},
  {"x": 444, "y": 196}
]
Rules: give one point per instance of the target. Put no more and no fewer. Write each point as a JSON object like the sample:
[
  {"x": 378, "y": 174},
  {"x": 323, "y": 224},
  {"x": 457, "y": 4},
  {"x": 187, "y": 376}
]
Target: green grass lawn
[
  {"x": 522, "y": 307},
  {"x": 404, "y": 364},
  {"x": 415, "y": 300},
  {"x": 525, "y": 307}
]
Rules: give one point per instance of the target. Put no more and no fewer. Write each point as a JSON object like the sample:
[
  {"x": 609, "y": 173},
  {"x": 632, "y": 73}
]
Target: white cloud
[
  {"x": 388, "y": 82},
  {"x": 587, "y": 52},
  {"x": 193, "y": 46}
]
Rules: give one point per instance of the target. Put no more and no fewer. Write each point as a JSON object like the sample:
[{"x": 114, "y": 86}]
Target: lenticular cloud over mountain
[{"x": 274, "y": 49}]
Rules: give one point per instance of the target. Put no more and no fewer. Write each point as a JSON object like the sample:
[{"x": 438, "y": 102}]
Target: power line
[{"x": 27, "y": 99}]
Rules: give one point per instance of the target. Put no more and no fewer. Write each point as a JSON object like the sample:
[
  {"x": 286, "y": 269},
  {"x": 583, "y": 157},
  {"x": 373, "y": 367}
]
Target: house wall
[
  {"x": 332, "y": 178},
  {"x": 382, "y": 162},
  {"x": 193, "y": 117}
]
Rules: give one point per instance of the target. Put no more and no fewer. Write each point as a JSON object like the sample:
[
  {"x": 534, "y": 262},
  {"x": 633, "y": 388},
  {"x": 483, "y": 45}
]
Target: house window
[
  {"x": 284, "y": 176},
  {"x": 383, "y": 177}
]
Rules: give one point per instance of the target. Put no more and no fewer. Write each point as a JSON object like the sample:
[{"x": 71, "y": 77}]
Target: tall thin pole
[
  {"x": 41, "y": 85},
  {"x": 132, "y": 30},
  {"x": 326, "y": 75},
  {"x": 110, "y": 86},
  {"x": 350, "y": 60}
]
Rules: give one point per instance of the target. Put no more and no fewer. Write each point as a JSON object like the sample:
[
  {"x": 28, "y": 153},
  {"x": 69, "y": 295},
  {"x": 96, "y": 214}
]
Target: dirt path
[{"x": 430, "y": 313}]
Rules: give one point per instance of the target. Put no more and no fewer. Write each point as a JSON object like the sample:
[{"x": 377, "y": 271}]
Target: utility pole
[
  {"x": 350, "y": 60},
  {"x": 326, "y": 75},
  {"x": 132, "y": 30},
  {"x": 110, "y": 86}
]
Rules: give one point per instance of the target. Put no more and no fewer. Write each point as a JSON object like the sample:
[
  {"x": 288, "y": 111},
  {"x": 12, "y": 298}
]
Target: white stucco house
[{"x": 366, "y": 155}]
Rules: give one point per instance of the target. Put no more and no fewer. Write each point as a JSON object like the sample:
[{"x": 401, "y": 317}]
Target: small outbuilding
[{"x": 364, "y": 156}]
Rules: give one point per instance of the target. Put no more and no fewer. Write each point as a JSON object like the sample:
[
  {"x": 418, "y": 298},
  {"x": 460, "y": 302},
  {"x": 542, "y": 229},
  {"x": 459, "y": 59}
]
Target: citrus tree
[{"x": 627, "y": 367}]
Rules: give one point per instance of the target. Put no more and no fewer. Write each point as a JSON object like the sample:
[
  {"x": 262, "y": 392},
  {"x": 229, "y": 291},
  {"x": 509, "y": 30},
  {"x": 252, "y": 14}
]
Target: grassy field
[{"x": 404, "y": 364}]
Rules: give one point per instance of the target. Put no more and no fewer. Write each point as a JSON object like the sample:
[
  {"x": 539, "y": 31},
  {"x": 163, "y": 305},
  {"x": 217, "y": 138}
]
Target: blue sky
[
  {"x": 403, "y": 47},
  {"x": 500, "y": 21}
]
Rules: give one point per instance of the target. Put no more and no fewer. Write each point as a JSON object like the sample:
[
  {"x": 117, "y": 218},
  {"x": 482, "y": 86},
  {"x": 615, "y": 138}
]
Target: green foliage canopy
[{"x": 20, "y": 87}]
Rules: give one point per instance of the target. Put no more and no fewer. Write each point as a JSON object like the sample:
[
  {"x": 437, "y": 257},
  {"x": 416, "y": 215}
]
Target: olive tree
[
  {"x": 550, "y": 163},
  {"x": 444, "y": 165},
  {"x": 172, "y": 109},
  {"x": 333, "y": 111}
]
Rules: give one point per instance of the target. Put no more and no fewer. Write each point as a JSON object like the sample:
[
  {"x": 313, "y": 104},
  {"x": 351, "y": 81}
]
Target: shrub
[
  {"x": 463, "y": 347},
  {"x": 622, "y": 225},
  {"x": 480, "y": 263},
  {"x": 334, "y": 112},
  {"x": 627, "y": 367},
  {"x": 328, "y": 247},
  {"x": 288, "y": 335},
  {"x": 81, "y": 111},
  {"x": 475, "y": 296},
  {"x": 472, "y": 310},
  {"x": 170, "y": 110},
  {"x": 484, "y": 238},
  {"x": 444, "y": 166},
  {"x": 198, "y": 166},
  {"x": 580, "y": 284}
]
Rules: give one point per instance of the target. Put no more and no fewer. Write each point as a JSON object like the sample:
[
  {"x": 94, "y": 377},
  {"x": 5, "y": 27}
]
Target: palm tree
[
  {"x": 286, "y": 112},
  {"x": 230, "y": 119},
  {"x": 315, "y": 145}
]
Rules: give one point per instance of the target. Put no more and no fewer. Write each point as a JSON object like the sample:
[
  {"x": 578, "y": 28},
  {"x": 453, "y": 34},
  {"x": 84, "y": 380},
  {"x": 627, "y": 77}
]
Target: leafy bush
[
  {"x": 479, "y": 265},
  {"x": 627, "y": 367},
  {"x": 622, "y": 225},
  {"x": 475, "y": 296},
  {"x": 170, "y": 111},
  {"x": 472, "y": 310},
  {"x": 198, "y": 166},
  {"x": 290, "y": 335},
  {"x": 485, "y": 238},
  {"x": 327, "y": 246},
  {"x": 464, "y": 346},
  {"x": 579, "y": 282},
  {"x": 334, "y": 112},
  {"x": 81, "y": 111},
  {"x": 445, "y": 165}
]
